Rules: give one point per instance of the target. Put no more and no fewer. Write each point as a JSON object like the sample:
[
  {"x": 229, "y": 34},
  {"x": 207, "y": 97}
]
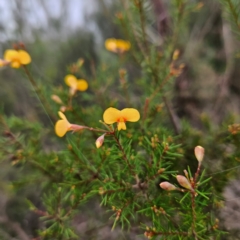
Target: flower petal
[
  {"x": 71, "y": 81},
  {"x": 123, "y": 45},
  {"x": 61, "y": 127},
  {"x": 121, "y": 126},
  {"x": 10, "y": 54},
  {"x": 111, "y": 45},
  {"x": 15, "y": 64},
  {"x": 130, "y": 114},
  {"x": 111, "y": 115},
  {"x": 24, "y": 57},
  {"x": 62, "y": 116},
  {"x": 82, "y": 85},
  {"x": 117, "y": 45}
]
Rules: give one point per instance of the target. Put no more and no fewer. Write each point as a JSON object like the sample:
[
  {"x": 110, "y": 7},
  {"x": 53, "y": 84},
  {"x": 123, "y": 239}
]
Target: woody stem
[{"x": 123, "y": 152}]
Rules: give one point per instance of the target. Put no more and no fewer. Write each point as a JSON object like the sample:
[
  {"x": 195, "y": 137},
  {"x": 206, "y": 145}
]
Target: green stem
[{"x": 42, "y": 98}]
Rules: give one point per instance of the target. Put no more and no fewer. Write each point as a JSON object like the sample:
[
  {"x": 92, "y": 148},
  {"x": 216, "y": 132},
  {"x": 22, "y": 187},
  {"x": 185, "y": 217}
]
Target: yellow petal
[
  {"x": 117, "y": 45},
  {"x": 82, "y": 85},
  {"x": 62, "y": 116},
  {"x": 61, "y": 127},
  {"x": 15, "y": 64},
  {"x": 24, "y": 57},
  {"x": 71, "y": 81},
  {"x": 130, "y": 114},
  {"x": 121, "y": 126},
  {"x": 123, "y": 45},
  {"x": 10, "y": 54},
  {"x": 111, "y": 115},
  {"x": 111, "y": 45}
]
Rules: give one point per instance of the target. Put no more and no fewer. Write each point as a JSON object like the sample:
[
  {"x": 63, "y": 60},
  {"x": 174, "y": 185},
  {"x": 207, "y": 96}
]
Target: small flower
[
  {"x": 100, "y": 140},
  {"x": 117, "y": 45},
  {"x": 183, "y": 181},
  {"x": 167, "y": 186},
  {"x": 75, "y": 84},
  {"x": 63, "y": 126},
  {"x": 15, "y": 58},
  {"x": 199, "y": 153},
  {"x": 112, "y": 115}
]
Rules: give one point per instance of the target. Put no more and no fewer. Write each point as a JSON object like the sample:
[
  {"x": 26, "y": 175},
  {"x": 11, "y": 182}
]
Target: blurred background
[{"x": 57, "y": 33}]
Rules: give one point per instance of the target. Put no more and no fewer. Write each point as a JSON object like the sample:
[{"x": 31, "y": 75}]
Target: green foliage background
[{"x": 66, "y": 188}]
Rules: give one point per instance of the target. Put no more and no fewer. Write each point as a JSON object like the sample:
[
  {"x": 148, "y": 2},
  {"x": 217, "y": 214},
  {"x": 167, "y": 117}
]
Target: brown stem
[
  {"x": 123, "y": 152},
  {"x": 129, "y": 16},
  {"x": 165, "y": 80},
  {"x": 193, "y": 195},
  {"x": 234, "y": 13},
  {"x": 174, "y": 119}
]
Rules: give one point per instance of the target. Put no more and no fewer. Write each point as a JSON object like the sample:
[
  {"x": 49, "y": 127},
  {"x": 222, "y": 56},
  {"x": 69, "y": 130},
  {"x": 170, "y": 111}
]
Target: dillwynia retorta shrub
[{"x": 112, "y": 139}]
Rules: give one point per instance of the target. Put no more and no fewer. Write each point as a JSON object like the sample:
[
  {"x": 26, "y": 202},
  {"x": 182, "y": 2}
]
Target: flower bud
[
  {"x": 80, "y": 62},
  {"x": 176, "y": 55},
  {"x": 99, "y": 141},
  {"x": 101, "y": 191},
  {"x": 63, "y": 108},
  {"x": 3, "y": 63},
  {"x": 183, "y": 181},
  {"x": 199, "y": 153},
  {"x": 56, "y": 99},
  {"x": 75, "y": 127},
  {"x": 167, "y": 186}
]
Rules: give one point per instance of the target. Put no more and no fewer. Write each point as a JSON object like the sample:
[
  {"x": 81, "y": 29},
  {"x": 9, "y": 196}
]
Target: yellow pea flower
[
  {"x": 112, "y": 115},
  {"x": 76, "y": 84},
  {"x": 63, "y": 126},
  {"x": 16, "y": 58},
  {"x": 117, "y": 45}
]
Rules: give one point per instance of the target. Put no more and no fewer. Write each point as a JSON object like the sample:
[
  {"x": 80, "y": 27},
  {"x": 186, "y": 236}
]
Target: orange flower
[
  {"x": 117, "y": 45},
  {"x": 15, "y": 58},
  {"x": 75, "y": 84},
  {"x": 112, "y": 115},
  {"x": 63, "y": 126}
]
